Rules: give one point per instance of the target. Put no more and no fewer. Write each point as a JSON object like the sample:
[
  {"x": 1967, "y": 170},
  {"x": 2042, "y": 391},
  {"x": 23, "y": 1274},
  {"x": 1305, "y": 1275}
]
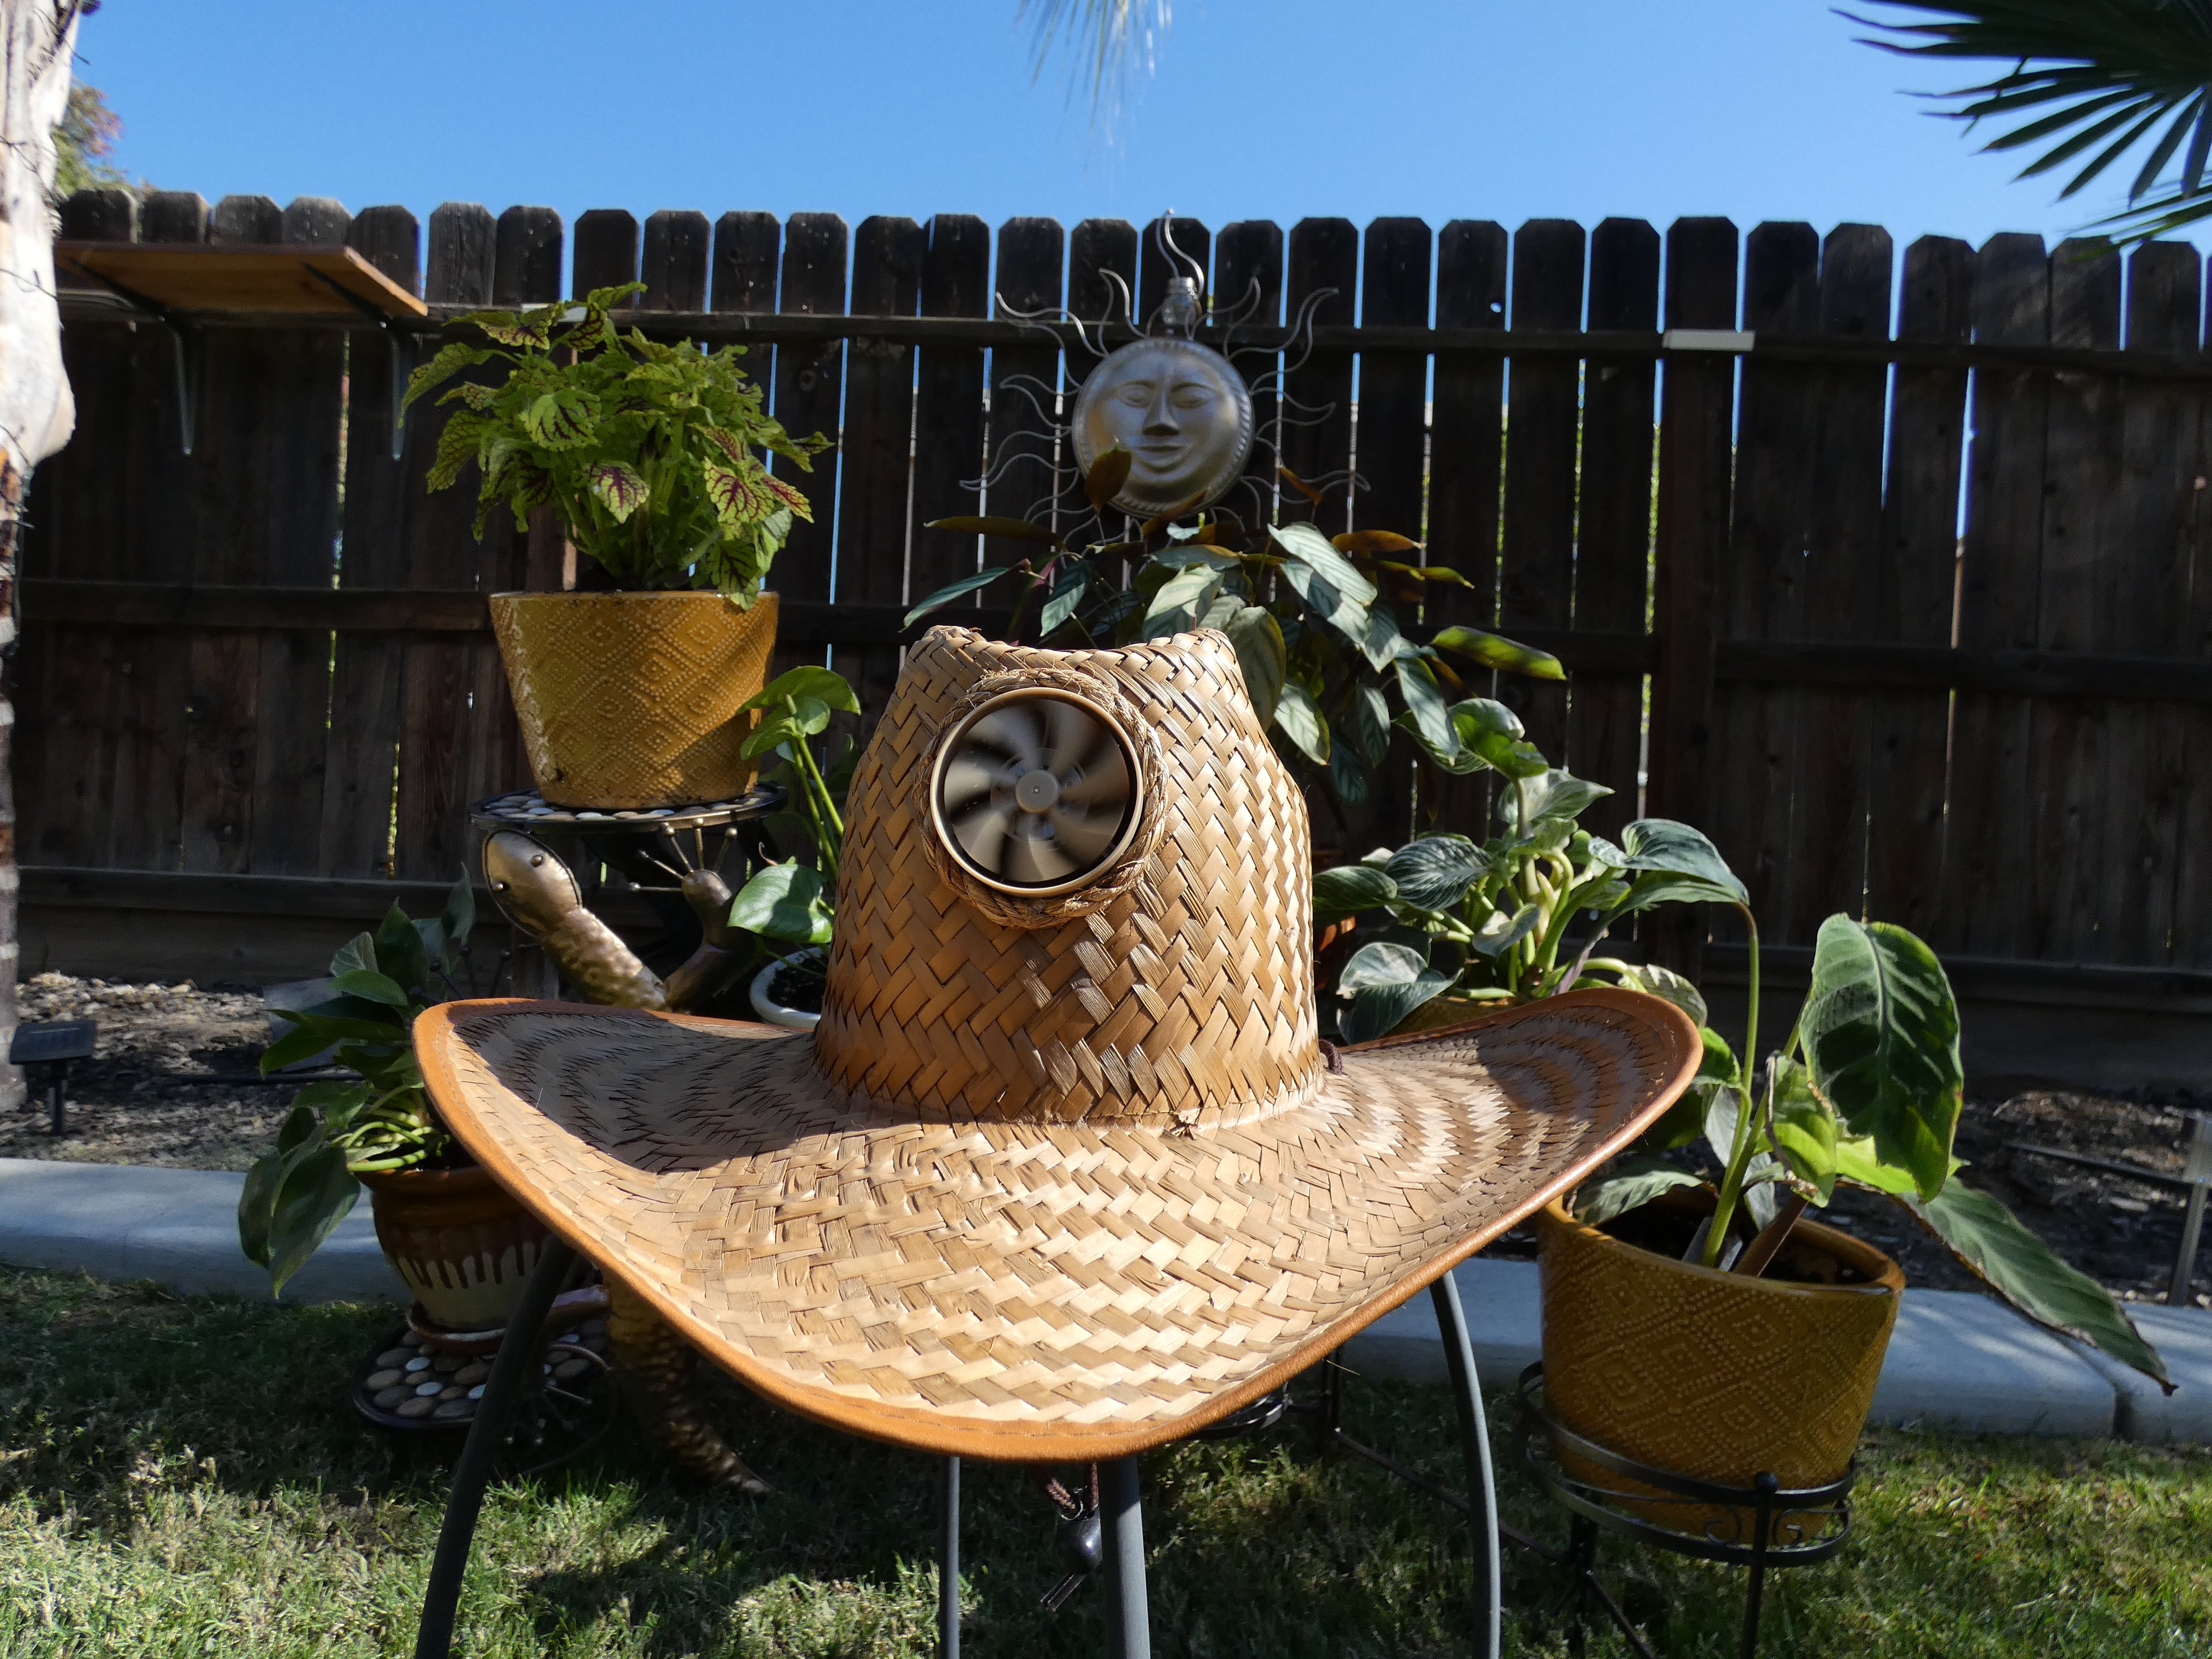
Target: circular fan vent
[{"x": 1036, "y": 793}]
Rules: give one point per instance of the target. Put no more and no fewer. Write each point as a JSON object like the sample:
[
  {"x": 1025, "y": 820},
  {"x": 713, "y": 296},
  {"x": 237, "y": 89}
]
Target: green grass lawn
[{"x": 181, "y": 1475}]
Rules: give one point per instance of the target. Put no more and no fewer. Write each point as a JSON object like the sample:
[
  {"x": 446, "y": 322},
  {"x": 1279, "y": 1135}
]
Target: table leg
[
  {"x": 1475, "y": 1447},
  {"x": 1129, "y": 1622},
  {"x": 518, "y": 1352}
]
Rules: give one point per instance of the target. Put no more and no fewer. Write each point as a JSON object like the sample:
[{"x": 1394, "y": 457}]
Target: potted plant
[
  {"x": 462, "y": 1245},
  {"x": 1310, "y": 615},
  {"x": 1465, "y": 924},
  {"x": 794, "y": 903},
  {"x": 631, "y": 695},
  {"x": 1704, "y": 1326}
]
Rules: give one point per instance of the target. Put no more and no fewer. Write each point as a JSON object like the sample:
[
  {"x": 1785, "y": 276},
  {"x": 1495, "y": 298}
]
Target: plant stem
[
  {"x": 1771, "y": 1237},
  {"x": 1747, "y": 1110}
]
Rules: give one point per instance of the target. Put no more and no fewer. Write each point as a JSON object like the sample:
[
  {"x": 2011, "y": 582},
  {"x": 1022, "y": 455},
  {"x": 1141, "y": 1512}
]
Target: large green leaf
[
  {"x": 1495, "y": 650},
  {"x": 356, "y": 954},
  {"x": 785, "y": 901},
  {"x": 1667, "y": 986},
  {"x": 952, "y": 591},
  {"x": 798, "y": 718},
  {"x": 375, "y": 986},
  {"x": 399, "y": 954},
  {"x": 1881, "y": 1040},
  {"x": 2021, "y": 1268},
  {"x": 1487, "y": 728},
  {"x": 1501, "y": 932},
  {"x": 1436, "y": 871},
  {"x": 1425, "y": 700},
  {"x": 1558, "y": 795},
  {"x": 1349, "y": 890},
  {"x": 1803, "y": 1129},
  {"x": 1258, "y": 639},
  {"x": 1385, "y": 962},
  {"x": 1011, "y": 529},
  {"x": 1300, "y": 719},
  {"x": 314, "y": 1192},
  {"x": 1380, "y": 1007},
  {"x": 1309, "y": 547},
  {"x": 1175, "y": 608}
]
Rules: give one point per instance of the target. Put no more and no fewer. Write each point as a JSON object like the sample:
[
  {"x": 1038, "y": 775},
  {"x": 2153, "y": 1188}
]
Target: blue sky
[{"x": 1574, "y": 108}]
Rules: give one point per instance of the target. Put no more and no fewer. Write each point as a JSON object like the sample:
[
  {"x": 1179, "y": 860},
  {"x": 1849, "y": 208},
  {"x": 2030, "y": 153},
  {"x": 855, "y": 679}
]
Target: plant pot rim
[
  {"x": 397, "y": 1181},
  {"x": 1883, "y": 1274},
  {"x": 630, "y": 594},
  {"x": 791, "y": 1018}
]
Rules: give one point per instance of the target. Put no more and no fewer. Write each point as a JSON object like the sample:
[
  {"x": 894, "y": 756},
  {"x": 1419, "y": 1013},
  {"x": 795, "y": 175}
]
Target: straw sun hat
[{"x": 1064, "y": 1172}]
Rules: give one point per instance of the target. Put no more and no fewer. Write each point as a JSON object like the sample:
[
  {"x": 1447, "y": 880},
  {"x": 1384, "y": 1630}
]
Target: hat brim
[{"x": 1032, "y": 1292}]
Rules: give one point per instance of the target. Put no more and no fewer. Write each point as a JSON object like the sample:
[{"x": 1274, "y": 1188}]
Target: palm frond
[
  {"x": 1102, "y": 35},
  {"x": 2081, "y": 72}
]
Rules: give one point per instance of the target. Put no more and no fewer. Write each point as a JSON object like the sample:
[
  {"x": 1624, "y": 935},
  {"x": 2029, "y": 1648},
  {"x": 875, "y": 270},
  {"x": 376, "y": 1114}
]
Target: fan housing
[{"x": 1036, "y": 793}]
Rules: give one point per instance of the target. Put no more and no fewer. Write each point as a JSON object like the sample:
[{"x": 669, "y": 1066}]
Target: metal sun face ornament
[
  {"x": 1182, "y": 413},
  {"x": 1037, "y": 793}
]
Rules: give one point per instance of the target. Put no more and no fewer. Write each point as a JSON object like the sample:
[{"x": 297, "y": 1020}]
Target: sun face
[{"x": 1179, "y": 409}]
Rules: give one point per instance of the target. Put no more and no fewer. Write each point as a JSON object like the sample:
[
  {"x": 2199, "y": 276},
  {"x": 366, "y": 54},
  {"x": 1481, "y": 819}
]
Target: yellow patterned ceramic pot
[
  {"x": 462, "y": 1245},
  {"x": 1711, "y": 1375},
  {"x": 631, "y": 700}
]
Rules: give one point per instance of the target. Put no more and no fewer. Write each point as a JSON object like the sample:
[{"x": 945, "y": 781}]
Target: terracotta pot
[
  {"x": 463, "y": 1246},
  {"x": 631, "y": 700},
  {"x": 1709, "y": 1374}
]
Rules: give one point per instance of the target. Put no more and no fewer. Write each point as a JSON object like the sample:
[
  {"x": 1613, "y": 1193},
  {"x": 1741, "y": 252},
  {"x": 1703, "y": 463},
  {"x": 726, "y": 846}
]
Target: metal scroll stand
[
  {"x": 1129, "y": 1633},
  {"x": 1789, "y": 1527}
]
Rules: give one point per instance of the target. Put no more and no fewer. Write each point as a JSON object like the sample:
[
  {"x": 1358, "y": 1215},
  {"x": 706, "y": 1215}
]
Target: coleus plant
[
  {"x": 647, "y": 450},
  {"x": 379, "y": 1120},
  {"x": 1313, "y": 618}
]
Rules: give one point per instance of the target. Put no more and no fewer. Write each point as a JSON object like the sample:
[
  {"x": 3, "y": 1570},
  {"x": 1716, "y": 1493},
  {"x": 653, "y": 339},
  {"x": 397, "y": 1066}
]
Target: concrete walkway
[{"x": 1957, "y": 1360}]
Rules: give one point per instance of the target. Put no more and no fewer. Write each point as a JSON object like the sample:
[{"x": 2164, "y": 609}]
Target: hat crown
[{"x": 1175, "y": 988}]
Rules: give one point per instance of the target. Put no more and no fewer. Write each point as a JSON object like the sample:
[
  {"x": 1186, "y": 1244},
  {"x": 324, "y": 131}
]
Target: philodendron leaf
[
  {"x": 1495, "y": 650},
  {"x": 356, "y": 954},
  {"x": 800, "y": 717},
  {"x": 783, "y": 901},
  {"x": 1300, "y": 719},
  {"x": 1558, "y": 795},
  {"x": 1670, "y": 863},
  {"x": 1380, "y": 964},
  {"x": 826, "y": 686},
  {"x": 1258, "y": 639},
  {"x": 1490, "y": 730},
  {"x": 1881, "y": 1041},
  {"x": 1804, "y": 1130},
  {"x": 1175, "y": 608},
  {"x": 314, "y": 1192},
  {"x": 1501, "y": 933},
  {"x": 1349, "y": 890},
  {"x": 375, "y": 986},
  {"x": 1435, "y": 872},
  {"x": 2021, "y": 1268},
  {"x": 1381, "y": 1009},
  {"x": 1634, "y": 1183},
  {"x": 1667, "y": 986}
]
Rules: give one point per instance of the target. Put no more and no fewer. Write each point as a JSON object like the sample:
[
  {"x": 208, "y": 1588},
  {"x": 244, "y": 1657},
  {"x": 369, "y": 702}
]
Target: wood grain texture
[
  {"x": 1247, "y": 287},
  {"x": 1916, "y": 586},
  {"x": 679, "y": 246},
  {"x": 1988, "y": 835},
  {"x": 604, "y": 253},
  {"x": 956, "y": 282},
  {"x": 1536, "y": 582},
  {"x": 1613, "y": 554},
  {"x": 1317, "y": 385}
]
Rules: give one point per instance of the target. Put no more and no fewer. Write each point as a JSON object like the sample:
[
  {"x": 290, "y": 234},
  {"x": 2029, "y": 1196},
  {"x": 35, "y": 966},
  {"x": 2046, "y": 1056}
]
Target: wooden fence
[{"x": 1916, "y": 623}]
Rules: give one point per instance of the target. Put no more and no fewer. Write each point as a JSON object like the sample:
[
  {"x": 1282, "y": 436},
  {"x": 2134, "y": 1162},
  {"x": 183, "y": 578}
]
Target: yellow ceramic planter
[
  {"x": 1708, "y": 1374},
  {"x": 632, "y": 700},
  {"x": 462, "y": 1245}
]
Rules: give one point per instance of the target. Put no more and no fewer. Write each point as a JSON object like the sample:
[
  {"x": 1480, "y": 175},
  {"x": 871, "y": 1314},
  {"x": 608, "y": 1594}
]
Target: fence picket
[{"x": 948, "y": 431}]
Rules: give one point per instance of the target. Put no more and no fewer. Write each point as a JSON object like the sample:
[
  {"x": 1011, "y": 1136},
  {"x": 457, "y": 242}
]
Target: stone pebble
[
  {"x": 429, "y": 1389},
  {"x": 386, "y": 1399},
  {"x": 421, "y": 1361},
  {"x": 383, "y": 1379},
  {"x": 394, "y": 1357},
  {"x": 571, "y": 1368},
  {"x": 453, "y": 1411},
  {"x": 475, "y": 1371},
  {"x": 417, "y": 1406}
]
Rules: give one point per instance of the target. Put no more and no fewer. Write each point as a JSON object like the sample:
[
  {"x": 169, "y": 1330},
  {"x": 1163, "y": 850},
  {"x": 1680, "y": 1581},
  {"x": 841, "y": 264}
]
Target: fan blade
[
  {"x": 1070, "y": 733},
  {"x": 967, "y": 782},
  {"x": 1009, "y": 731},
  {"x": 984, "y": 836},
  {"x": 1103, "y": 784},
  {"x": 1084, "y": 836},
  {"x": 1036, "y": 861}
]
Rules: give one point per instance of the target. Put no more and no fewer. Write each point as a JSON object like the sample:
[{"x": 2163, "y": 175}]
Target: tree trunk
[{"x": 36, "y": 413}]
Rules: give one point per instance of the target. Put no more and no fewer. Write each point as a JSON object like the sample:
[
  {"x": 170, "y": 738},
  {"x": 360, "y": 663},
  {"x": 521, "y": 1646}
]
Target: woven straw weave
[
  {"x": 1187, "y": 998},
  {"x": 1030, "y": 1291}
]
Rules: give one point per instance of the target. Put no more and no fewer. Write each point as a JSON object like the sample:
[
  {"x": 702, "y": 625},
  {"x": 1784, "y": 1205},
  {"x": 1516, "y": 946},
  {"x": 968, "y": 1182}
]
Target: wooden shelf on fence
[{"x": 198, "y": 278}]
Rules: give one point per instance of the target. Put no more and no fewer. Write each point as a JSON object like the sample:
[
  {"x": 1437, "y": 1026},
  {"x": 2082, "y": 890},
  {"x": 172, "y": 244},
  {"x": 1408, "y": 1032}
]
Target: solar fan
[{"x": 1036, "y": 793}]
